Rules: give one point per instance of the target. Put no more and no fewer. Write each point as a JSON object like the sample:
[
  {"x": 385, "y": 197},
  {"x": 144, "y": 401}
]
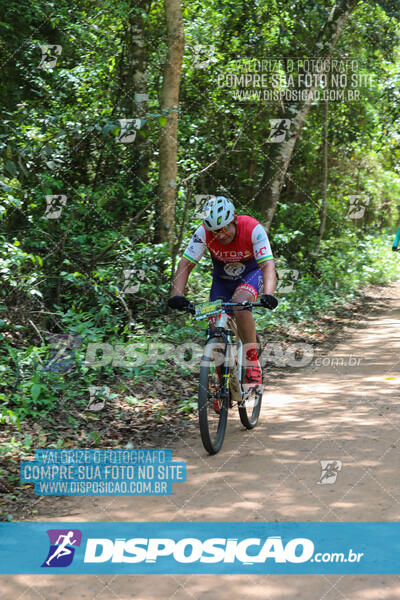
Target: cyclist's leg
[
  {"x": 248, "y": 290},
  {"x": 244, "y": 318},
  {"x": 221, "y": 288}
]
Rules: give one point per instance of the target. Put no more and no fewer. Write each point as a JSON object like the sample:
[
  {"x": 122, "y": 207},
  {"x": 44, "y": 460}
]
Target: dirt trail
[{"x": 346, "y": 413}]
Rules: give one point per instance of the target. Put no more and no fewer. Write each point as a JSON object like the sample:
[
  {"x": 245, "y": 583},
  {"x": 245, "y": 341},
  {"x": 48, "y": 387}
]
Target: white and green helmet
[{"x": 218, "y": 212}]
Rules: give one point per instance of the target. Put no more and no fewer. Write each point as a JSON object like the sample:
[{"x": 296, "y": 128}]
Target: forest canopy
[{"x": 121, "y": 119}]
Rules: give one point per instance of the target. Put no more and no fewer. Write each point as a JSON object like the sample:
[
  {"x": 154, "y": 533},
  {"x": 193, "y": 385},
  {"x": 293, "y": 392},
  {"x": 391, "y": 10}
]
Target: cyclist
[
  {"x": 243, "y": 267},
  {"x": 396, "y": 240}
]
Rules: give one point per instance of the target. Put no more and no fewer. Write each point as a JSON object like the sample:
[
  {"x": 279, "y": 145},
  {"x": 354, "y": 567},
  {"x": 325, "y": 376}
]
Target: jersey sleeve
[
  {"x": 261, "y": 246},
  {"x": 197, "y": 246},
  {"x": 396, "y": 239}
]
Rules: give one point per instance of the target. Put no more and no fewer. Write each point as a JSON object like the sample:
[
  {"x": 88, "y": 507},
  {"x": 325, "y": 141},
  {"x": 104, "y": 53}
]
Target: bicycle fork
[
  {"x": 235, "y": 372},
  {"x": 232, "y": 368}
]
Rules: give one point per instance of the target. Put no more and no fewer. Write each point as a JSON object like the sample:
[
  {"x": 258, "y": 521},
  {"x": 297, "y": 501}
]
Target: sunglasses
[{"x": 222, "y": 230}]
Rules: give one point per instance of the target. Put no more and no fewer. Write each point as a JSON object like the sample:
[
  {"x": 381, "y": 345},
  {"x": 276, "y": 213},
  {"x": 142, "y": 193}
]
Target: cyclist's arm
[
  {"x": 181, "y": 276},
  {"x": 269, "y": 276},
  {"x": 396, "y": 239},
  {"x": 263, "y": 255}
]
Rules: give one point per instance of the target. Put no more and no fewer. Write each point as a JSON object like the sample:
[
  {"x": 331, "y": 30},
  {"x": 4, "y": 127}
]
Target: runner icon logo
[
  {"x": 55, "y": 205},
  {"x": 61, "y": 551},
  {"x": 50, "y": 54},
  {"x": 357, "y": 206},
  {"x": 98, "y": 396},
  {"x": 128, "y": 130},
  {"x": 286, "y": 280},
  {"x": 133, "y": 279},
  {"x": 204, "y": 203},
  {"x": 279, "y": 129},
  {"x": 330, "y": 470},
  {"x": 61, "y": 355},
  {"x": 203, "y": 56}
]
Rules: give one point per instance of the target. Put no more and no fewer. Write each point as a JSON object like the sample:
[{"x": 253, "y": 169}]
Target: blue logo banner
[{"x": 209, "y": 548}]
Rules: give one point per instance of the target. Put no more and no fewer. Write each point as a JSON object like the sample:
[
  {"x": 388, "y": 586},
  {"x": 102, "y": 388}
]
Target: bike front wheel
[{"x": 213, "y": 399}]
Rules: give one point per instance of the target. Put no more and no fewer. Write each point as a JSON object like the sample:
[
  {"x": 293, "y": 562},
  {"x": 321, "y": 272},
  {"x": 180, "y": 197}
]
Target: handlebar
[
  {"x": 244, "y": 303},
  {"x": 241, "y": 305}
]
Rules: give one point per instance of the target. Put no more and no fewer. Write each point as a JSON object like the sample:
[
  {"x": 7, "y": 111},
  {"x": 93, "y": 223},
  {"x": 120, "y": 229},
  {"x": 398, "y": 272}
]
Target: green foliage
[
  {"x": 343, "y": 266},
  {"x": 59, "y": 135}
]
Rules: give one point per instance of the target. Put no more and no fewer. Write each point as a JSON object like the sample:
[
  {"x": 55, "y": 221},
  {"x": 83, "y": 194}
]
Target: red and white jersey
[{"x": 249, "y": 248}]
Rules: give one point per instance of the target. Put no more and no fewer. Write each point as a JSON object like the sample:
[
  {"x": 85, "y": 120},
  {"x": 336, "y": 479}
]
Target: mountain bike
[{"x": 222, "y": 373}]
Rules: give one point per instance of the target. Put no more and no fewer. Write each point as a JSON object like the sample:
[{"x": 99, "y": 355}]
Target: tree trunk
[
  {"x": 165, "y": 231},
  {"x": 134, "y": 89},
  {"x": 131, "y": 101},
  {"x": 278, "y": 160},
  {"x": 325, "y": 182}
]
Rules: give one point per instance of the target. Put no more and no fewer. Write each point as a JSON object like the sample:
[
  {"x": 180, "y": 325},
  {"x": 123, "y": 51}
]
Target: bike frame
[
  {"x": 225, "y": 328},
  {"x": 221, "y": 339}
]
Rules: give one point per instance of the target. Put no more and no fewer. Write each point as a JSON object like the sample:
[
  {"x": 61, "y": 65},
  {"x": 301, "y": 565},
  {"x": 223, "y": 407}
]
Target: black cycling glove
[
  {"x": 394, "y": 248},
  {"x": 269, "y": 301},
  {"x": 178, "y": 302}
]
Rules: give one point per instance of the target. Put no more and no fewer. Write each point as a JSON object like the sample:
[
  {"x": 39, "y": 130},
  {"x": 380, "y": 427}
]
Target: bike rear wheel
[
  {"x": 250, "y": 406},
  {"x": 212, "y": 402}
]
